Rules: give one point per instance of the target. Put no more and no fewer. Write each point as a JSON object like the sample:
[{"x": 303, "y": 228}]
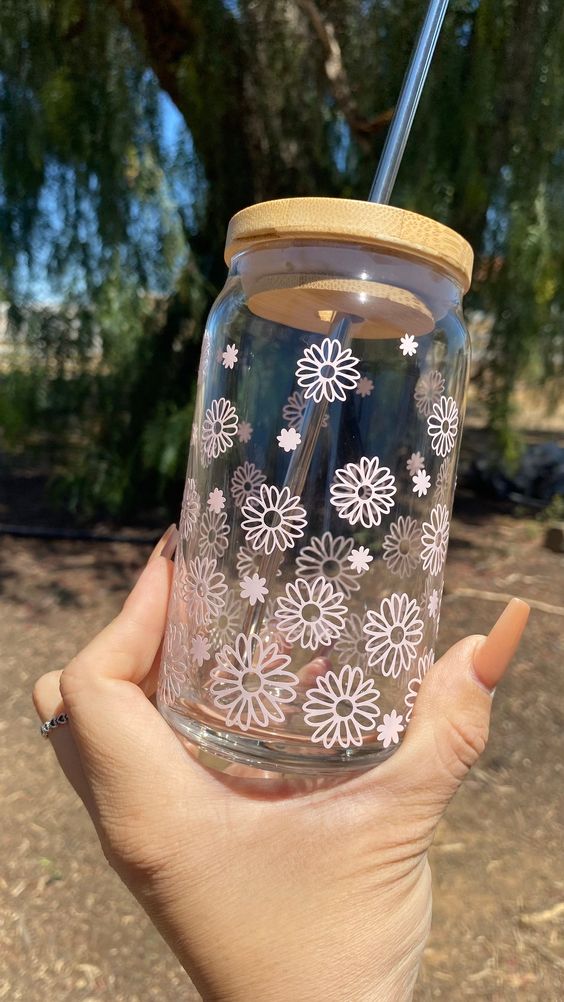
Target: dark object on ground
[
  {"x": 538, "y": 478},
  {"x": 554, "y": 538}
]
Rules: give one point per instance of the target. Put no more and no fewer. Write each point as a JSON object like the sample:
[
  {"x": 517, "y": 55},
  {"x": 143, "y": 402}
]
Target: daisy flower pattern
[
  {"x": 219, "y": 428},
  {"x": 190, "y": 510},
  {"x": 364, "y": 387},
  {"x": 408, "y": 345},
  {"x": 204, "y": 589},
  {"x": 434, "y": 539},
  {"x": 293, "y": 411},
  {"x": 363, "y": 492},
  {"x": 253, "y": 588},
  {"x": 423, "y": 665},
  {"x": 433, "y": 603},
  {"x": 289, "y": 439},
  {"x": 227, "y": 623},
  {"x": 327, "y": 557},
  {"x": 442, "y": 483},
  {"x": 442, "y": 425},
  {"x": 421, "y": 483},
  {"x": 229, "y": 356},
  {"x": 360, "y": 559},
  {"x": 393, "y": 634},
  {"x": 351, "y": 645},
  {"x": 415, "y": 463},
  {"x": 273, "y": 520},
  {"x": 310, "y": 614},
  {"x": 428, "y": 390},
  {"x": 341, "y": 708},
  {"x": 246, "y": 482},
  {"x": 327, "y": 371},
  {"x": 244, "y": 431},
  {"x": 175, "y": 664},
  {"x": 216, "y": 500},
  {"x": 200, "y": 649},
  {"x": 251, "y": 682},
  {"x": 214, "y": 533},
  {"x": 402, "y": 546},
  {"x": 390, "y": 729}
]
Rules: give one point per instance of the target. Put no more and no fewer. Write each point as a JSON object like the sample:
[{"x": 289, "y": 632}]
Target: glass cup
[{"x": 314, "y": 525}]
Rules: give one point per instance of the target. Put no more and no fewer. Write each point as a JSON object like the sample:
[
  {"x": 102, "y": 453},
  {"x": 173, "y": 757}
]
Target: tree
[{"x": 282, "y": 97}]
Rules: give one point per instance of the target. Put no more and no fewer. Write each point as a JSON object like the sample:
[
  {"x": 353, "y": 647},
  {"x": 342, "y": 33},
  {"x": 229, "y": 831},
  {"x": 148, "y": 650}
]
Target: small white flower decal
[
  {"x": 229, "y": 356},
  {"x": 216, "y": 500},
  {"x": 391, "y": 728},
  {"x": 363, "y": 492},
  {"x": 214, "y": 534},
  {"x": 415, "y": 463},
  {"x": 421, "y": 483},
  {"x": 294, "y": 410},
  {"x": 244, "y": 431},
  {"x": 434, "y": 539},
  {"x": 310, "y": 613},
  {"x": 342, "y": 707},
  {"x": 253, "y": 588},
  {"x": 423, "y": 664},
  {"x": 442, "y": 484},
  {"x": 190, "y": 511},
  {"x": 393, "y": 634},
  {"x": 203, "y": 589},
  {"x": 327, "y": 371},
  {"x": 402, "y": 546},
  {"x": 433, "y": 603},
  {"x": 350, "y": 648},
  {"x": 200, "y": 649},
  {"x": 442, "y": 425},
  {"x": 289, "y": 439},
  {"x": 219, "y": 428},
  {"x": 273, "y": 519},
  {"x": 175, "y": 664},
  {"x": 251, "y": 682},
  {"x": 246, "y": 482},
  {"x": 360, "y": 559},
  {"x": 408, "y": 345},
  {"x": 428, "y": 390},
  {"x": 227, "y": 623},
  {"x": 364, "y": 387},
  {"x": 327, "y": 557}
]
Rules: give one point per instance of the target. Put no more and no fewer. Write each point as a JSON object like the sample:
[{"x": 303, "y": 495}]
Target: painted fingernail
[
  {"x": 492, "y": 655},
  {"x": 169, "y": 546},
  {"x": 163, "y": 541}
]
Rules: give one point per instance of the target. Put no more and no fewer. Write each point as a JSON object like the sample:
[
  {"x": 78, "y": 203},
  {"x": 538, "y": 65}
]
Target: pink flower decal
[
  {"x": 434, "y": 540},
  {"x": 341, "y": 708},
  {"x": 204, "y": 589},
  {"x": 251, "y": 682},
  {"x": 363, "y": 492},
  {"x": 327, "y": 371},
  {"x": 310, "y": 613},
  {"x": 219, "y": 429},
  {"x": 393, "y": 634},
  {"x": 273, "y": 520}
]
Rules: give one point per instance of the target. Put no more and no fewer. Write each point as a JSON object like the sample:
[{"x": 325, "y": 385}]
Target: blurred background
[{"x": 130, "y": 132}]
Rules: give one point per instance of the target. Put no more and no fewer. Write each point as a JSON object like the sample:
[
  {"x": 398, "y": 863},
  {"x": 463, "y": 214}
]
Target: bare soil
[{"x": 70, "y": 931}]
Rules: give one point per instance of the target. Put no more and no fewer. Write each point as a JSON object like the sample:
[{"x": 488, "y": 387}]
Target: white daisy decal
[
  {"x": 350, "y": 648},
  {"x": 244, "y": 431},
  {"x": 423, "y": 665},
  {"x": 342, "y": 708},
  {"x": 310, "y": 613},
  {"x": 402, "y": 546},
  {"x": 273, "y": 519},
  {"x": 214, "y": 534},
  {"x": 442, "y": 425},
  {"x": 421, "y": 483},
  {"x": 363, "y": 492},
  {"x": 229, "y": 356},
  {"x": 408, "y": 345},
  {"x": 216, "y": 500},
  {"x": 251, "y": 682},
  {"x": 393, "y": 634},
  {"x": 289, "y": 439},
  {"x": 360, "y": 559},
  {"x": 254, "y": 588},
  {"x": 428, "y": 391},
  {"x": 227, "y": 623},
  {"x": 246, "y": 482},
  {"x": 415, "y": 463},
  {"x": 190, "y": 511},
  {"x": 442, "y": 483},
  {"x": 294, "y": 410},
  {"x": 327, "y": 557},
  {"x": 200, "y": 649},
  {"x": 434, "y": 540},
  {"x": 390, "y": 729},
  {"x": 433, "y": 603},
  {"x": 204, "y": 589},
  {"x": 219, "y": 428},
  {"x": 364, "y": 387},
  {"x": 327, "y": 371},
  {"x": 175, "y": 662}
]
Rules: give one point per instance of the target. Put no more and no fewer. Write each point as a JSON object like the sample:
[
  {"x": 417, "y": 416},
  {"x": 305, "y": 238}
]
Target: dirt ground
[{"x": 68, "y": 929}]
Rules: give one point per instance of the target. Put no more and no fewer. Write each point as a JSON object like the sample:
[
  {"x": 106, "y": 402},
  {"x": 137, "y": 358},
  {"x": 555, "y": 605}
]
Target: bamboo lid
[{"x": 383, "y": 227}]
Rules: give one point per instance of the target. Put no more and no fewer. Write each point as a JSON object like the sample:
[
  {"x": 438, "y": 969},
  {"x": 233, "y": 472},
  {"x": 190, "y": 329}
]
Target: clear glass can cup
[{"x": 314, "y": 525}]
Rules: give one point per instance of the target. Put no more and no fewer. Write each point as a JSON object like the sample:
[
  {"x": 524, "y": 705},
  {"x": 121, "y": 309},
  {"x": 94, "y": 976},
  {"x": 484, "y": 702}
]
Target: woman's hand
[{"x": 323, "y": 896}]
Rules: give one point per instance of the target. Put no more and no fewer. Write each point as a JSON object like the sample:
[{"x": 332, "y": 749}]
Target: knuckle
[{"x": 460, "y": 744}]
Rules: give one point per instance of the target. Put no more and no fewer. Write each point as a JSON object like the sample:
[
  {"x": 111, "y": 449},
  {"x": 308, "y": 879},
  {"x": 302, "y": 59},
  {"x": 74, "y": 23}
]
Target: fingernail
[
  {"x": 158, "y": 550},
  {"x": 492, "y": 655},
  {"x": 169, "y": 547}
]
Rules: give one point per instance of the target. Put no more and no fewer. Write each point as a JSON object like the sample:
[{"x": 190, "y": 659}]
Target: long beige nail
[
  {"x": 492, "y": 656},
  {"x": 169, "y": 533}
]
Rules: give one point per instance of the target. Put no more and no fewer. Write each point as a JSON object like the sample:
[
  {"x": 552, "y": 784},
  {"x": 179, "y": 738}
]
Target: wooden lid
[{"x": 382, "y": 227}]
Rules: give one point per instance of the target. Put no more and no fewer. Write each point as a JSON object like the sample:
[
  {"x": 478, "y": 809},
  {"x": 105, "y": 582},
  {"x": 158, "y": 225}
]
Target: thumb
[{"x": 451, "y": 717}]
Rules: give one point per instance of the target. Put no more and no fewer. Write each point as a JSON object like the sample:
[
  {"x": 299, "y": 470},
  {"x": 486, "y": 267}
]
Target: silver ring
[{"x": 49, "y": 725}]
